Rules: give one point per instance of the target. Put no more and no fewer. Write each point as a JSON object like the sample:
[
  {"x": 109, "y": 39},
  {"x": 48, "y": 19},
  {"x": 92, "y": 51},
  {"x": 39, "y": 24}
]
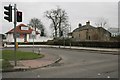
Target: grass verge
[{"x": 8, "y": 55}]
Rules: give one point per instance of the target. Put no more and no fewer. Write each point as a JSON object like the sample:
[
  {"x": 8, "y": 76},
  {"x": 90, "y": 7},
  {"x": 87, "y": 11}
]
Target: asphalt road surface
[{"x": 74, "y": 64}]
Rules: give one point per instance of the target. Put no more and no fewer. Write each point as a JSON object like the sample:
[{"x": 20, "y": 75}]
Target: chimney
[
  {"x": 79, "y": 25},
  {"x": 88, "y": 23}
]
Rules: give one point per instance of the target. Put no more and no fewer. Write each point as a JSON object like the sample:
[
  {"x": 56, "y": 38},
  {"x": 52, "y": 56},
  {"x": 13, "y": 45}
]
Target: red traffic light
[{"x": 19, "y": 16}]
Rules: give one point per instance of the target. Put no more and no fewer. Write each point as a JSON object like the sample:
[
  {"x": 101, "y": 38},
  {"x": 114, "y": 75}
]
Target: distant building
[
  {"x": 2, "y": 40},
  {"x": 114, "y": 31},
  {"x": 90, "y": 33},
  {"x": 24, "y": 34}
]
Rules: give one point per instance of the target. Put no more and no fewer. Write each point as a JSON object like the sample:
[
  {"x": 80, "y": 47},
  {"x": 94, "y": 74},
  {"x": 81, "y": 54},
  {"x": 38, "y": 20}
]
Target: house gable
[{"x": 21, "y": 30}]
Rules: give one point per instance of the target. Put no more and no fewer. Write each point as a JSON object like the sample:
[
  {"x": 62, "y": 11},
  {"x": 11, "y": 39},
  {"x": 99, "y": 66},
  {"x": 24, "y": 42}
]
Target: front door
[{"x": 25, "y": 38}]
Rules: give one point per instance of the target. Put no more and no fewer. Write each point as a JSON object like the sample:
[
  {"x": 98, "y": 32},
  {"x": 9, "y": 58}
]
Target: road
[{"x": 74, "y": 64}]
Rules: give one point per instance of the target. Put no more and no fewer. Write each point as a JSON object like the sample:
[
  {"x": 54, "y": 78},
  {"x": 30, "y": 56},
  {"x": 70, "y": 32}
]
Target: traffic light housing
[
  {"x": 8, "y": 12},
  {"x": 19, "y": 16}
]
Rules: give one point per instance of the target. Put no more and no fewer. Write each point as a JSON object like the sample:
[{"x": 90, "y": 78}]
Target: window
[
  {"x": 24, "y": 28},
  {"x": 79, "y": 36},
  {"x": 89, "y": 37},
  {"x": 22, "y": 35},
  {"x": 17, "y": 35}
]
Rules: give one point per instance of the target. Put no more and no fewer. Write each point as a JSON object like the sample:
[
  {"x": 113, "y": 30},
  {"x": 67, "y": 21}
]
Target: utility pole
[{"x": 15, "y": 22}]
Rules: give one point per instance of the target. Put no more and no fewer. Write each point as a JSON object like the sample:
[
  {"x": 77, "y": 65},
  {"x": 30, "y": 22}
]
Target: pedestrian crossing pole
[{"x": 15, "y": 22}]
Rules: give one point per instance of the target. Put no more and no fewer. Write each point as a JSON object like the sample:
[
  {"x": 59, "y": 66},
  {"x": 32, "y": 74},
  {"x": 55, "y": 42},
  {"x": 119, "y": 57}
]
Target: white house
[
  {"x": 24, "y": 34},
  {"x": 114, "y": 31}
]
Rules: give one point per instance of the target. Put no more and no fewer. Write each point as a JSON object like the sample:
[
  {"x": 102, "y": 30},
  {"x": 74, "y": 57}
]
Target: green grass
[
  {"x": 0, "y": 64},
  {"x": 20, "y": 55},
  {"x": 8, "y": 55}
]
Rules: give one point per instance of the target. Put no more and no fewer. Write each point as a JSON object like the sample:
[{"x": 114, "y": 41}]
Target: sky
[{"x": 78, "y": 12}]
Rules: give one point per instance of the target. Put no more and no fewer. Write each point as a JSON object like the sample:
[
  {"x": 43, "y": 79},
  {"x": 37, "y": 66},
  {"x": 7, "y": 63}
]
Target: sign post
[{"x": 33, "y": 36}]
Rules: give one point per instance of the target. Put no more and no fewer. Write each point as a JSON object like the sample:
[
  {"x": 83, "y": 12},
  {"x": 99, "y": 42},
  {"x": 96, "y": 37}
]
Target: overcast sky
[{"x": 78, "y": 12}]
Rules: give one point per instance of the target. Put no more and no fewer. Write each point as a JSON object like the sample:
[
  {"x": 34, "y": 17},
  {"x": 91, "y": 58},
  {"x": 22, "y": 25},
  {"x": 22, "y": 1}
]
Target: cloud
[{"x": 78, "y": 12}]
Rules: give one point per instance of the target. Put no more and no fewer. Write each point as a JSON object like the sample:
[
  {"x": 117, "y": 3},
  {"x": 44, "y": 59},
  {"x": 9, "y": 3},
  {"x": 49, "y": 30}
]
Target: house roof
[
  {"x": 103, "y": 29},
  {"x": 84, "y": 27},
  {"x": 88, "y": 26},
  {"x": 18, "y": 30}
]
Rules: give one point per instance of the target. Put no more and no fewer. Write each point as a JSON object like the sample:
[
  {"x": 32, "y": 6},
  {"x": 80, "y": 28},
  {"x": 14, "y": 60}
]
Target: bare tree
[
  {"x": 36, "y": 23},
  {"x": 65, "y": 29},
  {"x": 101, "y": 22},
  {"x": 59, "y": 18}
]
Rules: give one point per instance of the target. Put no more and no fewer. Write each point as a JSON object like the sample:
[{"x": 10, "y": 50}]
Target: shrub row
[
  {"x": 88, "y": 43},
  {"x": 79, "y": 43}
]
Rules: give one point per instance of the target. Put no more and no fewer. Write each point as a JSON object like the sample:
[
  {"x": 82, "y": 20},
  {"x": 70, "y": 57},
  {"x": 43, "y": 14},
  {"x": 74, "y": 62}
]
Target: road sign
[{"x": 33, "y": 33}]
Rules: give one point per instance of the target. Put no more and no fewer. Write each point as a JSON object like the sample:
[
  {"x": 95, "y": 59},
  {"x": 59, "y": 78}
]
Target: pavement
[{"x": 23, "y": 65}]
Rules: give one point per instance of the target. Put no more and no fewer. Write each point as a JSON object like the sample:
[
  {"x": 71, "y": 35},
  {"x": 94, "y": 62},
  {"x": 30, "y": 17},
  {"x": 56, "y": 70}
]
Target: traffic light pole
[
  {"x": 17, "y": 18},
  {"x": 15, "y": 22}
]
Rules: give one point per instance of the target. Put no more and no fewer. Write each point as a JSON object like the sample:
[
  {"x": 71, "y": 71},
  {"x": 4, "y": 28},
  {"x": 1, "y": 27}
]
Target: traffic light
[
  {"x": 19, "y": 16},
  {"x": 8, "y": 13}
]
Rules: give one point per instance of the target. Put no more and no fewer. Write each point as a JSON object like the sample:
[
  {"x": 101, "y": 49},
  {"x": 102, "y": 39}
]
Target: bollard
[
  {"x": 39, "y": 50},
  {"x": 16, "y": 45}
]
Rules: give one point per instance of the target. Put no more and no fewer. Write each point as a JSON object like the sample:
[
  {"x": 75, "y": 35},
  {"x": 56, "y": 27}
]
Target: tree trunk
[
  {"x": 60, "y": 32},
  {"x": 55, "y": 33}
]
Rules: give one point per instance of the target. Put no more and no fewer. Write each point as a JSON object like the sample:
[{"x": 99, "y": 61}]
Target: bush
[{"x": 86, "y": 43}]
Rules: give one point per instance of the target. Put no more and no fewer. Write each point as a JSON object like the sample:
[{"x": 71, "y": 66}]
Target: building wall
[
  {"x": 88, "y": 34},
  {"x": 9, "y": 38},
  {"x": 75, "y": 36},
  {"x": 94, "y": 34},
  {"x": 83, "y": 35},
  {"x": 104, "y": 35},
  {"x": 91, "y": 34},
  {"x": 20, "y": 39}
]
